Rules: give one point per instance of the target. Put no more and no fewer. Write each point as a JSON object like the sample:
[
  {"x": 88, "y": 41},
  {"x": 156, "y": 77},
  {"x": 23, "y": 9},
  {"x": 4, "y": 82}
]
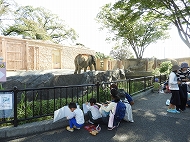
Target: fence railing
[{"x": 36, "y": 104}]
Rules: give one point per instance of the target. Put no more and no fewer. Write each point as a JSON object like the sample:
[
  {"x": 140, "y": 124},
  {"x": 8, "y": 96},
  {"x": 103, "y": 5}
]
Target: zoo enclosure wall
[{"x": 25, "y": 54}]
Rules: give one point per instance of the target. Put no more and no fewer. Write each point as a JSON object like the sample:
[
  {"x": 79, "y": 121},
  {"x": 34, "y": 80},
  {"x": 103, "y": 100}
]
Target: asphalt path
[{"x": 152, "y": 124}]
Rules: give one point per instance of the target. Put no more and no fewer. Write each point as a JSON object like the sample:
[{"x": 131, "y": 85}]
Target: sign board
[
  {"x": 3, "y": 72},
  {"x": 6, "y": 105},
  {"x": 6, "y": 101}
]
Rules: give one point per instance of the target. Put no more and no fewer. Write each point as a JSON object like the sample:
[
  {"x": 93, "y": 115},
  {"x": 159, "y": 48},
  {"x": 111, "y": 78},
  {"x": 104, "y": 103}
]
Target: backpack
[{"x": 120, "y": 111}]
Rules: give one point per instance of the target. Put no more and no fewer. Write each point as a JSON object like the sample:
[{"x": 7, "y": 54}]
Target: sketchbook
[
  {"x": 85, "y": 108},
  {"x": 62, "y": 112}
]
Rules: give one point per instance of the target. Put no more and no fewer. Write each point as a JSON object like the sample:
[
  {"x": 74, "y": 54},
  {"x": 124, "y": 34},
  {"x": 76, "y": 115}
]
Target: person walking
[
  {"x": 184, "y": 75},
  {"x": 174, "y": 88}
]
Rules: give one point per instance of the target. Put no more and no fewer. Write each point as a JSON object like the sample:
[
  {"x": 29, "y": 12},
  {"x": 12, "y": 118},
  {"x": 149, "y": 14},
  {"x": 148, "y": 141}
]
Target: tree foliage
[
  {"x": 121, "y": 52},
  {"x": 175, "y": 12},
  {"x": 101, "y": 56},
  {"x": 137, "y": 31},
  {"x": 39, "y": 23},
  {"x": 6, "y": 8},
  {"x": 165, "y": 67}
]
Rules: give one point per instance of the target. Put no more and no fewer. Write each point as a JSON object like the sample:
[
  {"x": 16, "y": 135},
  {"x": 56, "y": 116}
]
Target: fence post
[
  {"x": 15, "y": 91},
  {"x": 130, "y": 86},
  {"x": 98, "y": 91},
  {"x": 144, "y": 83}
]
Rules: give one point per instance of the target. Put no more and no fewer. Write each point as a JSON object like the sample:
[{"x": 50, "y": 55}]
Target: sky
[{"x": 80, "y": 15}]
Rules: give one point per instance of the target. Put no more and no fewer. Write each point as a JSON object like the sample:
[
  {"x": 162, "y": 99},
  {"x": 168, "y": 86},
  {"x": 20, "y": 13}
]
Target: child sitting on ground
[
  {"x": 156, "y": 85},
  {"x": 121, "y": 91},
  {"x": 111, "y": 108},
  {"x": 93, "y": 114},
  {"x": 166, "y": 87},
  {"x": 127, "y": 100},
  {"x": 77, "y": 119}
]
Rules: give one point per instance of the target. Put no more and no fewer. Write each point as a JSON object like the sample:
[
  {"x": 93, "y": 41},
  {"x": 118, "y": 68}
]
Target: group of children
[{"x": 101, "y": 114}]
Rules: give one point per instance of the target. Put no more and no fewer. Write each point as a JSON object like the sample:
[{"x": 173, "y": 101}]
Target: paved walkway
[{"x": 152, "y": 124}]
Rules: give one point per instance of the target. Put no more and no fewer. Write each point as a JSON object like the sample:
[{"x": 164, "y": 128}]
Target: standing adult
[
  {"x": 174, "y": 88},
  {"x": 183, "y": 74}
]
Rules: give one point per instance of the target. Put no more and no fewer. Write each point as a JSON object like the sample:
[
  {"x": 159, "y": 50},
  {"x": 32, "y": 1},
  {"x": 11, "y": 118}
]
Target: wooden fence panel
[{"x": 16, "y": 55}]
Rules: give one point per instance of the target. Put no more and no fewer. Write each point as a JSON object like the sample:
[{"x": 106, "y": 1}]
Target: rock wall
[{"x": 39, "y": 79}]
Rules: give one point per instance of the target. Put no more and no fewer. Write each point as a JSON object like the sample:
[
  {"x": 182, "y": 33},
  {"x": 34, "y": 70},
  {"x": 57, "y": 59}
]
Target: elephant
[{"x": 83, "y": 61}]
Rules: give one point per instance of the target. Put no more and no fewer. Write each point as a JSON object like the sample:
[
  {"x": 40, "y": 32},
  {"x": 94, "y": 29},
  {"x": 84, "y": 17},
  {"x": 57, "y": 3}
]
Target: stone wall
[
  {"x": 69, "y": 54},
  {"x": 180, "y": 60},
  {"x": 36, "y": 79}
]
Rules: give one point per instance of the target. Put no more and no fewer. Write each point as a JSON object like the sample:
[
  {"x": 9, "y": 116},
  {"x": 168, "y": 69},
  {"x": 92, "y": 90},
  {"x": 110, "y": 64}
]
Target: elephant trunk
[{"x": 94, "y": 61}]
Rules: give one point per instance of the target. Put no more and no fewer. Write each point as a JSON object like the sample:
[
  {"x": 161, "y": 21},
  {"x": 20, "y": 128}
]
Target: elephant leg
[
  {"x": 85, "y": 69},
  {"x": 95, "y": 66},
  {"x": 90, "y": 68},
  {"x": 79, "y": 70},
  {"x": 76, "y": 69}
]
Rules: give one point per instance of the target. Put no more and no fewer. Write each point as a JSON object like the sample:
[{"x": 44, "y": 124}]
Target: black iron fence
[{"x": 36, "y": 104}]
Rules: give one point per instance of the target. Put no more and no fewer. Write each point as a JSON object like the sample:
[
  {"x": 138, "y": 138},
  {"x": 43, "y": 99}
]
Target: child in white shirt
[
  {"x": 111, "y": 108},
  {"x": 94, "y": 114},
  {"x": 77, "y": 119}
]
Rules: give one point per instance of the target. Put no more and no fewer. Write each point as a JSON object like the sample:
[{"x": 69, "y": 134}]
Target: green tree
[
  {"x": 137, "y": 31},
  {"x": 4, "y": 7},
  {"x": 165, "y": 67},
  {"x": 101, "y": 56},
  {"x": 6, "y": 10},
  {"x": 175, "y": 12},
  {"x": 39, "y": 23},
  {"x": 121, "y": 52}
]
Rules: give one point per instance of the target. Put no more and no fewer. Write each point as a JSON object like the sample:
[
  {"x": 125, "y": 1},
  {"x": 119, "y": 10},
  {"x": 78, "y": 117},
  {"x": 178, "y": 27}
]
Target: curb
[{"x": 32, "y": 128}]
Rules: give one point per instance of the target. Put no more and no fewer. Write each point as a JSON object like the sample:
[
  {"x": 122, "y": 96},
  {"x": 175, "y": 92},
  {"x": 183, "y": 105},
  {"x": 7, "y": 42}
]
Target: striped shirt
[{"x": 183, "y": 75}]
